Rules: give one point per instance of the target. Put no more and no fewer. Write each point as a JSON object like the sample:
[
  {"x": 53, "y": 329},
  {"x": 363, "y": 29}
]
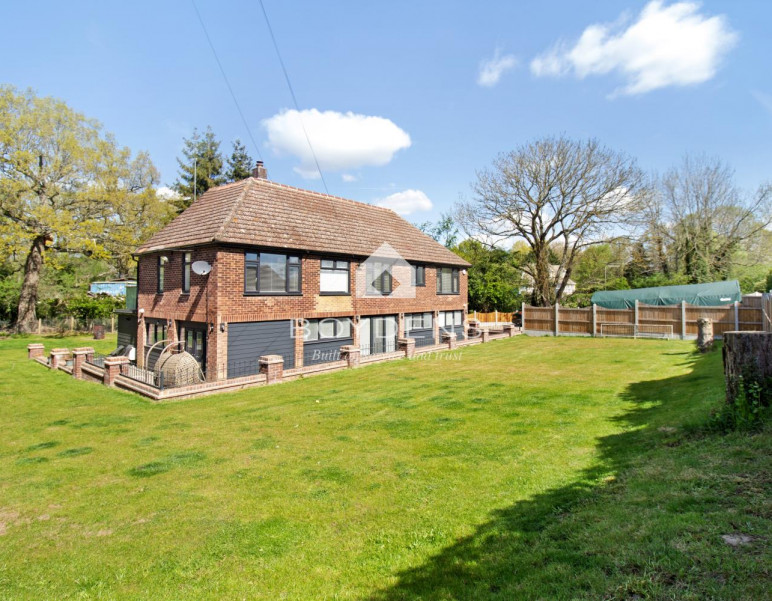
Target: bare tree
[
  {"x": 559, "y": 196},
  {"x": 705, "y": 219}
]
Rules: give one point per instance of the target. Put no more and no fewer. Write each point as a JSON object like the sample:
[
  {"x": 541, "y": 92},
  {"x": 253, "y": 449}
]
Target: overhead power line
[
  {"x": 227, "y": 82},
  {"x": 292, "y": 93}
]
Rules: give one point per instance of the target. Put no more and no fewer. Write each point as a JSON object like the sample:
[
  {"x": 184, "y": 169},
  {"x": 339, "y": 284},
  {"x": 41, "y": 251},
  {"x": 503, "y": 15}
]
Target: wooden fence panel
[
  {"x": 540, "y": 319},
  {"x": 657, "y": 315},
  {"x": 575, "y": 321},
  {"x": 753, "y": 314}
]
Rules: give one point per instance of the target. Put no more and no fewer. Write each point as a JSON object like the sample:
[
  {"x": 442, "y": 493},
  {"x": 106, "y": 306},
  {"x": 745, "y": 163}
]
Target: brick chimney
[{"x": 259, "y": 171}]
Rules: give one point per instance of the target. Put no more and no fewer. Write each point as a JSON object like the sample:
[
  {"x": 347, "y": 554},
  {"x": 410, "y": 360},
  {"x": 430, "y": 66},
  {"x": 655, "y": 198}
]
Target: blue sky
[{"x": 654, "y": 80}]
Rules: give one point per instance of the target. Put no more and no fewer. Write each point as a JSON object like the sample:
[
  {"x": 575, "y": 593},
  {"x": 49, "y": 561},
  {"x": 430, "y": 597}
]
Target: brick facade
[{"x": 218, "y": 299}]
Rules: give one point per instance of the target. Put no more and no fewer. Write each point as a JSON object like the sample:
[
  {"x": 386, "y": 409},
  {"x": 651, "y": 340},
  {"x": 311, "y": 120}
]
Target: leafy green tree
[
  {"x": 239, "y": 163},
  {"x": 559, "y": 196},
  {"x": 200, "y": 168},
  {"x": 445, "y": 231},
  {"x": 494, "y": 278},
  {"x": 63, "y": 182}
]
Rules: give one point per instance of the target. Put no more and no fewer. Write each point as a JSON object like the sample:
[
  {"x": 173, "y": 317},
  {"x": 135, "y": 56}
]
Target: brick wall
[{"x": 227, "y": 302}]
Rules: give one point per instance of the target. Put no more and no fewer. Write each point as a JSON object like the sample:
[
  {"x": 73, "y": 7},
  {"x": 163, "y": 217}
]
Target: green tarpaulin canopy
[{"x": 704, "y": 295}]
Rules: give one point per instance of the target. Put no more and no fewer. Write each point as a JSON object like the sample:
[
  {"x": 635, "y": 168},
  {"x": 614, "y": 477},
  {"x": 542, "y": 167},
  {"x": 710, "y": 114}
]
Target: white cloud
[
  {"x": 348, "y": 178},
  {"x": 406, "y": 202},
  {"x": 166, "y": 193},
  {"x": 666, "y": 46},
  {"x": 340, "y": 140},
  {"x": 492, "y": 69}
]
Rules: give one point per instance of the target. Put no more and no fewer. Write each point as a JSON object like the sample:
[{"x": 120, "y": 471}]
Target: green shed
[{"x": 705, "y": 295}]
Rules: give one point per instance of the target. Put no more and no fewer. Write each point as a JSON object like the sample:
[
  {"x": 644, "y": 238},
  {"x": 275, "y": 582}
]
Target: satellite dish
[{"x": 201, "y": 267}]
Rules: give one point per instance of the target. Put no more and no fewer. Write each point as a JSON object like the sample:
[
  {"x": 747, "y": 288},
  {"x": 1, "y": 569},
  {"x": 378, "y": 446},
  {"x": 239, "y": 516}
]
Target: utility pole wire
[
  {"x": 292, "y": 93},
  {"x": 227, "y": 82}
]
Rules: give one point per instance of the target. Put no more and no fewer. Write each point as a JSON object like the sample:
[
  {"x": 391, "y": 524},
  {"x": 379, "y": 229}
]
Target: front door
[{"x": 194, "y": 337}]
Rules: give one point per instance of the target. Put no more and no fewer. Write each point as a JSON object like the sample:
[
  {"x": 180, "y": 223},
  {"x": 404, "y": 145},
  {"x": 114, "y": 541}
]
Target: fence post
[
  {"x": 112, "y": 324},
  {"x": 594, "y": 320},
  {"x": 72, "y": 323},
  {"x": 557, "y": 318},
  {"x": 736, "y": 316},
  {"x": 496, "y": 313},
  {"x": 522, "y": 317},
  {"x": 40, "y": 326},
  {"x": 683, "y": 320},
  {"x": 635, "y": 324}
]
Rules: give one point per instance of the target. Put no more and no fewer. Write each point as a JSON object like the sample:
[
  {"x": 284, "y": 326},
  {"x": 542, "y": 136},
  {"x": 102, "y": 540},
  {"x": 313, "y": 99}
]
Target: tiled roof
[{"x": 259, "y": 212}]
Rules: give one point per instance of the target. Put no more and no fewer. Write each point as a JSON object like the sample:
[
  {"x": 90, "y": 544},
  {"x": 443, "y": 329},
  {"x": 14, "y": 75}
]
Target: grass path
[{"x": 530, "y": 468}]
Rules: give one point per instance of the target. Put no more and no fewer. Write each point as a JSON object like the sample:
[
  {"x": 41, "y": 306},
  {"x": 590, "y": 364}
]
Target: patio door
[{"x": 378, "y": 335}]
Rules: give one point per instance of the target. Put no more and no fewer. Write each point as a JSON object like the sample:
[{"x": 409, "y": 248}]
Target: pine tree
[
  {"x": 201, "y": 168},
  {"x": 239, "y": 163}
]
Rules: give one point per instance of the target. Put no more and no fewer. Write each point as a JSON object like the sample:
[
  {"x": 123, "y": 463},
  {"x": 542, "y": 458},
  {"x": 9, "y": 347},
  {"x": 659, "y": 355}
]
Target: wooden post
[
  {"x": 72, "y": 323},
  {"x": 112, "y": 324},
  {"x": 737, "y": 316},
  {"x": 522, "y": 317},
  {"x": 635, "y": 324},
  {"x": 40, "y": 326},
  {"x": 557, "y": 318},
  {"x": 683, "y": 320},
  {"x": 496, "y": 313},
  {"x": 594, "y": 320}
]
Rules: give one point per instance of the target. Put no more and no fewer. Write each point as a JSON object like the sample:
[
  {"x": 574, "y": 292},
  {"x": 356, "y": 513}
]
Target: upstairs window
[
  {"x": 379, "y": 279},
  {"x": 447, "y": 280},
  {"x": 418, "y": 275},
  {"x": 268, "y": 273},
  {"x": 334, "y": 277},
  {"x": 187, "y": 261},
  {"x": 161, "y": 274}
]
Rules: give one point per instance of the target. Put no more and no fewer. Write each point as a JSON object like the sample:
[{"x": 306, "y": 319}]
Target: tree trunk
[
  {"x": 26, "y": 320},
  {"x": 747, "y": 355}
]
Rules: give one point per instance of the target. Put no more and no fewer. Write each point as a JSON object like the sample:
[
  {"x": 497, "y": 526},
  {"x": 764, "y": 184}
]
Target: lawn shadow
[{"x": 532, "y": 550}]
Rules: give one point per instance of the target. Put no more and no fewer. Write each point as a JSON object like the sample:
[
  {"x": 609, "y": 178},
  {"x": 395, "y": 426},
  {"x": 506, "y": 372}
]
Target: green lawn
[{"x": 531, "y": 468}]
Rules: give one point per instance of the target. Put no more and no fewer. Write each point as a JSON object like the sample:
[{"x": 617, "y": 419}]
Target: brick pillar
[
  {"x": 36, "y": 351},
  {"x": 350, "y": 353},
  {"x": 486, "y": 335},
  {"x": 217, "y": 356},
  {"x": 114, "y": 366},
  {"x": 273, "y": 368},
  {"x": 298, "y": 336},
  {"x": 79, "y": 357},
  {"x": 58, "y": 357},
  {"x": 141, "y": 334},
  {"x": 407, "y": 345},
  {"x": 450, "y": 339}
]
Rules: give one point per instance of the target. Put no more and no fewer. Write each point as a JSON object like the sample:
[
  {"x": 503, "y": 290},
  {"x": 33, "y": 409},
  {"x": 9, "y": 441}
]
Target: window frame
[
  {"x": 370, "y": 289},
  {"x": 410, "y": 317},
  {"x": 288, "y": 266},
  {"x": 335, "y": 269},
  {"x": 414, "y": 279},
  {"x": 160, "y": 275},
  {"x": 187, "y": 262},
  {"x": 455, "y": 281},
  {"x": 336, "y": 328}
]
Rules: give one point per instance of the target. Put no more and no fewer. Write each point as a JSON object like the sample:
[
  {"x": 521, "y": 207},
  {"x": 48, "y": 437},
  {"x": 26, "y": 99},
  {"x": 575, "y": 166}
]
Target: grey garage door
[{"x": 250, "y": 340}]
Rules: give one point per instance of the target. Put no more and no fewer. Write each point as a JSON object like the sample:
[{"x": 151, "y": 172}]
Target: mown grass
[{"x": 528, "y": 469}]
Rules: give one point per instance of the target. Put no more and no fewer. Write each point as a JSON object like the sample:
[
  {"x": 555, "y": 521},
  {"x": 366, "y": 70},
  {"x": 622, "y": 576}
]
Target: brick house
[{"x": 292, "y": 274}]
